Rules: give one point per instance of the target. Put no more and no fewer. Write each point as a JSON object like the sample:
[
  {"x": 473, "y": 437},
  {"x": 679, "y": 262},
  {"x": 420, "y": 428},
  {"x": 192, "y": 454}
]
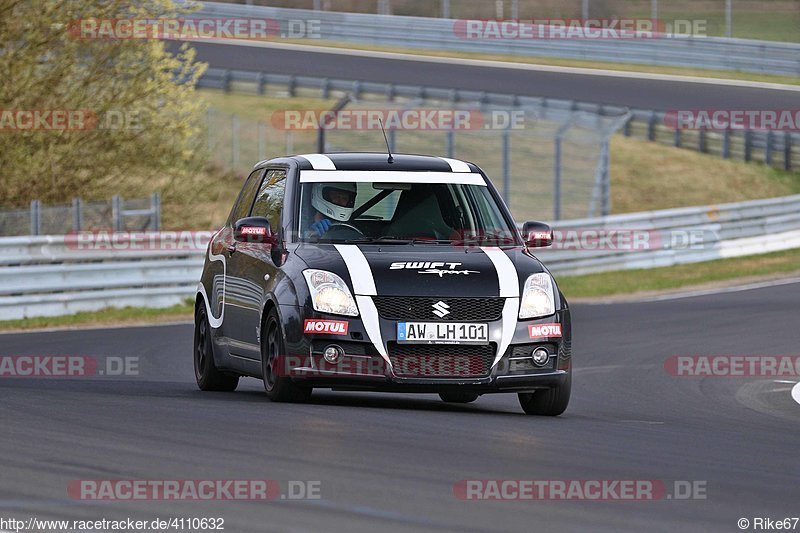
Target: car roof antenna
[{"x": 388, "y": 148}]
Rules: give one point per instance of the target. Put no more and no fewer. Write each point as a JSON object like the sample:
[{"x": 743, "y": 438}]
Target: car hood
[{"x": 423, "y": 270}]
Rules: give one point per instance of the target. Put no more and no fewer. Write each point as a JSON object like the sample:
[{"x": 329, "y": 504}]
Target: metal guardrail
[
  {"x": 56, "y": 275},
  {"x": 778, "y": 149},
  {"x": 714, "y": 53}
]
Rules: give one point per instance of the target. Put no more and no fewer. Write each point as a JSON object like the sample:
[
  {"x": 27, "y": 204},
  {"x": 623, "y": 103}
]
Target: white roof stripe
[
  {"x": 456, "y": 165},
  {"x": 389, "y": 176},
  {"x": 320, "y": 161}
]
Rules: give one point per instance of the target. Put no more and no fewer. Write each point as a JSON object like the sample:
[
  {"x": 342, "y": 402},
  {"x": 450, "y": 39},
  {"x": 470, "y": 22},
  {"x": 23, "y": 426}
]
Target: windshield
[{"x": 401, "y": 213}]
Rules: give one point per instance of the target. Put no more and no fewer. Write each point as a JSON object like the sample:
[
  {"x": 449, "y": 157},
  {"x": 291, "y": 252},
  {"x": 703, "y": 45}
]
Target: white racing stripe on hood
[
  {"x": 364, "y": 288},
  {"x": 319, "y": 161},
  {"x": 509, "y": 289}
]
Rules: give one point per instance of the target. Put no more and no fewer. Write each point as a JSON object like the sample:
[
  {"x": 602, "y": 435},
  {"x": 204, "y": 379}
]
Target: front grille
[
  {"x": 441, "y": 360},
  {"x": 460, "y": 309}
]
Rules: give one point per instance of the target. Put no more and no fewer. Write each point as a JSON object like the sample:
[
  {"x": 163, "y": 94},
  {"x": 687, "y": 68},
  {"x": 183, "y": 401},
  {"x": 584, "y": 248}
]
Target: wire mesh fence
[
  {"x": 776, "y": 20},
  {"x": 116, "y": 214},
  {"x": 547, "y": 163}
]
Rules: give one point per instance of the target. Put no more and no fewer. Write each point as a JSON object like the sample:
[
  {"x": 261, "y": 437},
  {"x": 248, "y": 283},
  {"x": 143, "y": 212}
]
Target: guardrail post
[
  {"x": 768, "y": 148},
  {"x": 748, "y": 145},
  {"x": 605, "y": 197},
  {"x": 392, "y": 136},
  {"x": 787, "y": 150},
  {"x": 702, "y": 145},
  {"x": 506, "y": 139},
  {"x": 356, "y": 89},
  {"x": 77, "y": 221},
  {"x": 326, "y": 89},
  {"x": 116, "y": 212},
  {"x": 234, "y": 140},
  {"x": 651, "y": 127},
  {"x": 391, "y": 92},
  {"x": 289, "y": 142},
  {"x": 726, "y": 144},
  {"x": 677, "y": 140},
  {"x": 291, "y": 86},
  {"x": 155, "y": 209},
  {"x": 626, "y": 130},
  {"x": 36, "y": 217}
]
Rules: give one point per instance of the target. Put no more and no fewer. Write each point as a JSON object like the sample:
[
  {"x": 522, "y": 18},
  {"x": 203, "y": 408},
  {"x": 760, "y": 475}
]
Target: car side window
[
  {"x": 269, "y": 201},
  {"x": 242, "y": 207}
]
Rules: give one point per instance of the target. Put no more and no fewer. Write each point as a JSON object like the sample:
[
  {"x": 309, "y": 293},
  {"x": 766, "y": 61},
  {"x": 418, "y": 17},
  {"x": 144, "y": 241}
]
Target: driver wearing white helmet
[{"x": 334, "y": 202}]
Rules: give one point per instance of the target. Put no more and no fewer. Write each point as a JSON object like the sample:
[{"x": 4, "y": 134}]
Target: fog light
[
  {"x": 333, "y": 353},
  {"x": 540, "y": 356}
]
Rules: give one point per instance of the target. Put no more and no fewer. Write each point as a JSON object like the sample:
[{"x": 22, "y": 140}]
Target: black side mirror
[
  {"x": 537, "y": 234},
  {"x": 254, "y": 230}
]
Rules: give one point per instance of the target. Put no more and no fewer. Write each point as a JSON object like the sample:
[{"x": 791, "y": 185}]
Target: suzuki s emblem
[{"x": 440, "y": 309}]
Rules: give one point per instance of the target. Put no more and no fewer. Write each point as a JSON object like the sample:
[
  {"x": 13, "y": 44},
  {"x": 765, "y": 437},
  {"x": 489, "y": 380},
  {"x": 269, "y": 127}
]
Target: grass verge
[
  {"x": 695, "y": 275},
  {"x": 105, "y": 317}
]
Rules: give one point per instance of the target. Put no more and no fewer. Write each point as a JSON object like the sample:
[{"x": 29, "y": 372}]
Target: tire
[
  {"x": 550, "y": 402},
  {"x": 205, "y": 371},
  {"x": 458, "y": 397},
  {"x": 278, "y": 388}
]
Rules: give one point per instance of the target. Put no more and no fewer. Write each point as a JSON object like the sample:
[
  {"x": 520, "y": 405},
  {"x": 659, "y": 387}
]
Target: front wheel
[
  {"x": 208, "y": 377},
  {"x": 549, "y": 402},
  {"x": 279, "y": 387},
  {"x": 458, "y": 397}
]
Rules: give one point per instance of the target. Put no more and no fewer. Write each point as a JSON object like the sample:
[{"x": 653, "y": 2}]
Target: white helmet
[{"x": 321, "y": 199}]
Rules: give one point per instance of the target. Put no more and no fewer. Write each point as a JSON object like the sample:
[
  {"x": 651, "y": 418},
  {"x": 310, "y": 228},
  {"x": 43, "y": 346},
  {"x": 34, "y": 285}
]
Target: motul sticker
[
  {"x": 328, "y": 327},
  {"x": 253, "y": 230},
  {"x": 544, "y": 331}
]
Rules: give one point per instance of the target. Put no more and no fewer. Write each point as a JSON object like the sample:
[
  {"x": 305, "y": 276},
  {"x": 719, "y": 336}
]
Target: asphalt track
[
  {"x": 611, "y": 89},
  {"x": 389, "y": 462}
]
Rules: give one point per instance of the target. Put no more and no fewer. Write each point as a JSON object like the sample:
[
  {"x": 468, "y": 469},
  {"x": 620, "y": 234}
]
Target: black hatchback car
[{"x": 355, "y": 271}]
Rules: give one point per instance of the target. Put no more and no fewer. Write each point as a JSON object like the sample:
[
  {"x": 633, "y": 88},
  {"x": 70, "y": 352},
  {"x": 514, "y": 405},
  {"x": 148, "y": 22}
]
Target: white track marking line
[{"x": 508, "y": 65}]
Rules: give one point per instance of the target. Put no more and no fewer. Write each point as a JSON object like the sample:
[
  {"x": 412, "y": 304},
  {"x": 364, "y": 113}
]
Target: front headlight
[
  {"x": 329, "y": 293},
  {"x": 537, "y": 297}
]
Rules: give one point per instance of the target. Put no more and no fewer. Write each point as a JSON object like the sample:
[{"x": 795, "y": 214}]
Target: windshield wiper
[{"x": 391, "y": 239}]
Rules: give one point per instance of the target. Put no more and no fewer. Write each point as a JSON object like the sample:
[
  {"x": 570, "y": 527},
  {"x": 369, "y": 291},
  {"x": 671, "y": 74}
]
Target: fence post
[
  {"x": 748, "y": 145},
  {"x": 702, "y": 146},
  {"x": 768, "y": 148},
  {"x": 116, "y": 212},
  {"x": 262, "y": 142},
  {"x": 392, "y": 136},
  {"x": 506, "y": 166},
  {"x": 515, "y": 9},
  {"x": 651, "y": 127},
  {"x": 210, "y": 129},
  {"x": 728, "y": 18},
  {"x": 234, "y": 140},
  {"x": 155, "y": 210},
  {"x": 557, "y": 181},
  {"x": 36, "y": 217},
  {"x": 289, "y": 142},
  {"x": 76, "y": 215},
  {"x": 445, "y": 9},
  {"x": 605, "y": 198},
  {"x": 726, "y": 144},
  {"x": 787, "y": 150},
  {"x": 677, "y": 136},
  {"x": 450, "y": 141}
]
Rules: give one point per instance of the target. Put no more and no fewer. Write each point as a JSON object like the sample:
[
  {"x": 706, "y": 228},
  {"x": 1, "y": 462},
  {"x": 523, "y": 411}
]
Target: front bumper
[{"x": 363, "y": 368}]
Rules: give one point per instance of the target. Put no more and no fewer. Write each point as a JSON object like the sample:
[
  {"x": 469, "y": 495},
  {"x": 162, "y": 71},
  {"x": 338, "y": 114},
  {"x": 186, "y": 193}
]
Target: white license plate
[{"x": 442, "y": 333}]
